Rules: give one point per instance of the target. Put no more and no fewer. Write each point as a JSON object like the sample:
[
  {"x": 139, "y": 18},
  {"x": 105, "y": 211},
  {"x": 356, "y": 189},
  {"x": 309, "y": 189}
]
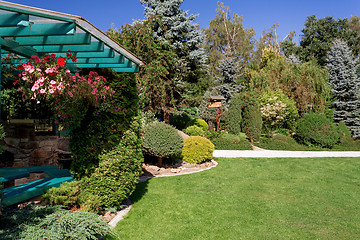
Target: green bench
[{"x": 25, "y": 191}]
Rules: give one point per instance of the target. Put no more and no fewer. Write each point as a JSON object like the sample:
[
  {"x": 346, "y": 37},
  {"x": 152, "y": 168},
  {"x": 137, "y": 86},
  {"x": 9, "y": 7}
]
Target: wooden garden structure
[{"x": 27, "y": 31}]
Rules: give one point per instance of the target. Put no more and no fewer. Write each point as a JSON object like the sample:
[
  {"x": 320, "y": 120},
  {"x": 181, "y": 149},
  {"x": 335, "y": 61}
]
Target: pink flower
[
  {"x": 52, "y": 82},
  {"x": 60, "y": 86},
  {"x": 42, "y": 90},
  {"x": 41, "y": 79},
  {"x": 51, "y": 90},
  {"x": 70, "y": 94},
  {"x": 67, "y": 71},
  {"x": 24, "y": 78}
]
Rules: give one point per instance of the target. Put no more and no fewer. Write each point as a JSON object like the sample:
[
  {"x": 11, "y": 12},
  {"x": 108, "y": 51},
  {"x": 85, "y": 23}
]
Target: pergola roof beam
[
  {"x": 39, "y": 30},
  {"x": 106, "y": 53},
  {"x": 8, "y": 20},
  {"x": 92, "y": 47},
  {"x": 13, "y": 46},
  {"x": 113, "y": 60},
  {"x": 78, "y": 38}
]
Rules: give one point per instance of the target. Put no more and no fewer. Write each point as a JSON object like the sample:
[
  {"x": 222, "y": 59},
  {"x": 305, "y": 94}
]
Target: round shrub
[
  {"x": 194, "y": 131},
  {"x": 197, "y": 149},
  {"x": 180, "y": 121},
  {"x": 316, "y": 129},
  {"x": 162, "y": 140},
  {"x": 200, "y": 123}
]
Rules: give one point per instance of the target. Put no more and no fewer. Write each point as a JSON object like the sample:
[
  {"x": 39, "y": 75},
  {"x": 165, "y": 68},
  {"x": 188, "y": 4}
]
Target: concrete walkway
[{"x": 261, "y": 153}]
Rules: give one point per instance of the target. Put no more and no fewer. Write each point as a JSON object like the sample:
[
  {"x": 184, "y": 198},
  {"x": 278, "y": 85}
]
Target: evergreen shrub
[
  {"x": 180, "y": 121},
  {"x": 316, "y": 129},
  {"x": 119, "y": 170},
  {"x": 251, "y": 114},
  {"x": 197, "y": 149},
  {"x": 2, "y": 135},
  {"x": 47, "y": 222},
  {"x": 233, "y": 116},
  {"x": 228, "y": 141},
  {"x": 200, "y": 123},
  {"x": 162, "y": 140},
  {"x": 194, "y": 131}
]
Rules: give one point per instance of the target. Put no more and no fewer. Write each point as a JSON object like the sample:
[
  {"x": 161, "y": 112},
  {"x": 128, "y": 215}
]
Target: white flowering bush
[{"x": 277, "y": 110}]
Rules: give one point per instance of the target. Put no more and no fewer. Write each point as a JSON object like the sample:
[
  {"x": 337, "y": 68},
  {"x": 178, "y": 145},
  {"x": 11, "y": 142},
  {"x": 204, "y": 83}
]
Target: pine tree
[
  {"x": 228, "y": 73},
  {"x": 345, "y": 83},
  {"x": 179, "y": 27}
]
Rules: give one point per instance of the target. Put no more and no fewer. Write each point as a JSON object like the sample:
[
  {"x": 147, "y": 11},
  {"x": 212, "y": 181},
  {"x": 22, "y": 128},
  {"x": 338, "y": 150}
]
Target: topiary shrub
[
  {"x": 119, "y": 170},
  {"x": 197, "y": 149},
  {"x": 232, "y": 116},
  {"x": 228, "y": 141},
  {"x": 194, "y": 131},
  {"x": 162, "y": 140},
  {"x": 316, "y": 129},
  {"x": 200, "y": 123}
]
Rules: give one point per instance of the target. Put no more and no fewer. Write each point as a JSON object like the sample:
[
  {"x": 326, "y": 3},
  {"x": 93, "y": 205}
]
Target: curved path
[{"x": 262, "y": 153}]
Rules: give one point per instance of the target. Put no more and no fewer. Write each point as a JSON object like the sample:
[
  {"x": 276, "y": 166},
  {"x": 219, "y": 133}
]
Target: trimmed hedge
[
  {"x": 197, "y": 149},
  {"x": 162, "y": 140},
  {"x": 316, "y": 129}
]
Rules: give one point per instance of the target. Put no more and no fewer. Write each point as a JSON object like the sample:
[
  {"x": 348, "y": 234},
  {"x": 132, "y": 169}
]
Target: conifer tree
[{"x": 345, "y": 83}]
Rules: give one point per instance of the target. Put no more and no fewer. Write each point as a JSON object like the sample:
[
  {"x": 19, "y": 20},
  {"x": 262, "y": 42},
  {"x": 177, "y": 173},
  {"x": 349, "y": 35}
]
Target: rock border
[{"x": 121, "y": 214}]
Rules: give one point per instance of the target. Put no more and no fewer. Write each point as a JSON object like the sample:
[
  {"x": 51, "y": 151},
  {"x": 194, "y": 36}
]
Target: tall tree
[
  {"x": 179, "y": 31},
  {"x": 226, "y": 37},
  {"x": 157, "y": 90},
  {"x": 345, "y": 83},
  {"x": 318, "y": 36}
]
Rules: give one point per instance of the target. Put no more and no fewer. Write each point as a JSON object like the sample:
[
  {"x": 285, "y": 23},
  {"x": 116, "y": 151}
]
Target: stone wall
[{"x": 25, "y": 149}]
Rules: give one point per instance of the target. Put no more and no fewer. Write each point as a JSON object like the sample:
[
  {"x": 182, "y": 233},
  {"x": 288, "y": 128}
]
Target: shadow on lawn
[{"x": 140, "y": 191}]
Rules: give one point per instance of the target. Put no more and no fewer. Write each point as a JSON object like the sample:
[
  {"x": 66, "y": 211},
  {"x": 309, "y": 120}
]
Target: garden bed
[{"x": 174, "y": 169}]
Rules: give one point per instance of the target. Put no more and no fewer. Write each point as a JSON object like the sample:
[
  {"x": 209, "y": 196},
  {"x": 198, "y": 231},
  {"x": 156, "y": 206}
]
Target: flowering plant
[{"x": 47, "y": 79}]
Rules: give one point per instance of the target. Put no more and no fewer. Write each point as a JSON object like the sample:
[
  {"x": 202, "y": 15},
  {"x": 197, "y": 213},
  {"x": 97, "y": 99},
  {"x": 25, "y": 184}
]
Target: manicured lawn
[{"x": 251, "y": 199}]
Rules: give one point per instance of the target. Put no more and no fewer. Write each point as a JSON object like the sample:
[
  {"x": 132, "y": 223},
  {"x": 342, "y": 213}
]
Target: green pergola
[{"x": 27, "y": 31}]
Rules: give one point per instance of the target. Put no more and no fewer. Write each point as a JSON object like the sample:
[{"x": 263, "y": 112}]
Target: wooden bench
[{"x": 25, "y": 191}]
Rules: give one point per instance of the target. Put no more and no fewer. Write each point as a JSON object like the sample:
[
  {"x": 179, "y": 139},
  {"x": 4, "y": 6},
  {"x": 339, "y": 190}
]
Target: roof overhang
[{"x": 26, "y": 31}]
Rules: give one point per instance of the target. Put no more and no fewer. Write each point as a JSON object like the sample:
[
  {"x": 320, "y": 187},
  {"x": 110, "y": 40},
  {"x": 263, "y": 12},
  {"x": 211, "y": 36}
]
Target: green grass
[
  {"x": 251, "y": 199},
  {"x": 282, "y": 142}
]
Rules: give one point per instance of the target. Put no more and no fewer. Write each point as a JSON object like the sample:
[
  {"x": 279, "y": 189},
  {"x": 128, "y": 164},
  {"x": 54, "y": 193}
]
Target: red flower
[
  {"x": 16, "y": 82},
  {"x": 57, "y": 101},
  {"x": 74, "y": 59},
  {"x": 61, "y": 61},
  {"x": 19, "y": 67}
]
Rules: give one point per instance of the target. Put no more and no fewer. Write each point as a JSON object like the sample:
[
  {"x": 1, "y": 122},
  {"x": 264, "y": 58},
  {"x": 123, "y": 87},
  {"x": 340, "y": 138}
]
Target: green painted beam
[
  {"x": 116, "y": 59},
  {"x": 7, "y": 20},
  {"x": 107, "y": 53},
  {"x": 133, "y": 69},
  {"x": 127, "y": 64},
  {"x": 76, "y": 39},
  {"x": 39, "y": 30},
  {"x": 14, "y": 47},
  {"x": 44, "y": 14},
  {"x": 92, "y": 47}
]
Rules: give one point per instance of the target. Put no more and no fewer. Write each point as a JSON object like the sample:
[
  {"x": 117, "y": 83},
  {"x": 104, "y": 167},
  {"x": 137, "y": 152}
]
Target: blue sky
[{"x": 257, "y": 14}]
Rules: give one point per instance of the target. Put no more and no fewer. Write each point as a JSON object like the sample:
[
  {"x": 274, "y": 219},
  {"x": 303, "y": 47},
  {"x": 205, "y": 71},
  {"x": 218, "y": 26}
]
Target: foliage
[
  {"x": 46, "y": 222},
  {"x": 282, "y": 142},
  {"x": 2, "y": 135},
  {"x": 197, "y": 149},
  {"x": 98, "y": 133},
  {"x": 162, "y": 140},
  {"x": 155, "y": 79},
  {"x": 72, "y": 195},
  {"x": 194, "y": 131},
  {"x": 278, "y": 111},
  {"x": 119, "y": 169},
  {"x": 226, "y": 34},
  {"x": 233, "y": 116},
  {"x": 343, "y": 130},
  {"x": 251, "y": 115},
  {"x": 345, "y": 83},
  {"x": 306, "y": 84},
  {"x": 147, "y": 117},
  {"x": 206, "y": 113},
  {"x": 228, "y": 141},
  {"x": 200, "y": 123},
  {"x": 319, "y": 34},
  {"x": 316, "y": 129},
  {"x": 180, "y": 121}
]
